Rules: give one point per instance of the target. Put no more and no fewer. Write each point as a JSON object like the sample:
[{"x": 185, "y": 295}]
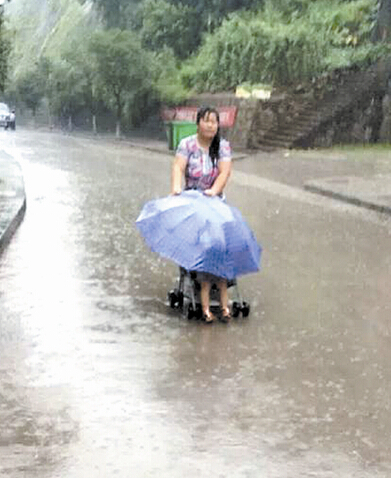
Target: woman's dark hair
[{"x": 214, "y": 148}]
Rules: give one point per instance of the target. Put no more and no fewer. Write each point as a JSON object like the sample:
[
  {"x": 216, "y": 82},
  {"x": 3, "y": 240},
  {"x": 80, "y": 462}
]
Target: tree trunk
[
  {"x": 382, "y": 30},
  {"x": 94, "y": 130},
  {"x": 119, "y": 116}
]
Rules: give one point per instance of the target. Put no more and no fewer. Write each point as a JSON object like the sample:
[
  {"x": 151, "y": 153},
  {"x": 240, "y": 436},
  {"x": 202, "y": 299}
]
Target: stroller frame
[{"x": 186, "y": 297}]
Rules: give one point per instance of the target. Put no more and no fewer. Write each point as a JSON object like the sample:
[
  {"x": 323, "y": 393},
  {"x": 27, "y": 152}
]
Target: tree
[
  {"x": 31, "y": 86},
  {"x": 211, "y": 13},
  {"x": 114, "y": 11},
  {"x": 5, "y": 48},
  {"x": 163, "y": 23},
  {"x": 79, "y": 59},
  {"x": 67, "y": 89},
  {"x": 121, "y": 69},
  {"x": 166, "y": 77}
]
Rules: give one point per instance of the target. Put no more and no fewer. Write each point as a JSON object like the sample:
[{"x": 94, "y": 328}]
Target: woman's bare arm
[{"x": 178, "y": 171}]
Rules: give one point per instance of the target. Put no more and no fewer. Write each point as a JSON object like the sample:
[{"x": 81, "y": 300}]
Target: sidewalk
[
  {"x": 159, "y": 146},
  {"x": 372, "y": 193},
  {"x": 12, "y": 198},
  {"x": 364, "y": 181},
  {"x": 359, "y": 176}
]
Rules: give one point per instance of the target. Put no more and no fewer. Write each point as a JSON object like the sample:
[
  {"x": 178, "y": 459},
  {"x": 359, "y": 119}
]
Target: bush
[{"x": 282, "y": 49}]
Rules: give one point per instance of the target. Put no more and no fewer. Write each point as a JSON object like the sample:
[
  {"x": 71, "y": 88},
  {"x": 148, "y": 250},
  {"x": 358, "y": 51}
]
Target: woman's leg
[
  {"x": 205, "y": 301},
  {"x": 223, "y": 287},
  {"x": 205, "y": 291}
]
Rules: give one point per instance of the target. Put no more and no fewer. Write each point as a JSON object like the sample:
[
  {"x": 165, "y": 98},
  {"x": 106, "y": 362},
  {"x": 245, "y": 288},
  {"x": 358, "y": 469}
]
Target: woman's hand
[
  {"x": 176, "y": 191},
  {"x": 225, "y": 168}
]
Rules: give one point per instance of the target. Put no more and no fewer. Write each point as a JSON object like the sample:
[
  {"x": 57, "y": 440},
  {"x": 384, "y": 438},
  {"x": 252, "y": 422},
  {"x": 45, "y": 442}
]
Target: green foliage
[
  {"x": 69, "y": 85},
  {"x": 211, "y": 13},
  {"x": 288, "y": 45},
  {"x": 347, "y": 24},
  {"x": 362, "y": 56},
  {"x": 4, "y": 53},
  {"x": 114, "y": 11},
  {"x": 46, "y": 28},
  {"x": 255, "y": 51},
  {"x": 31, "y": 87},
  {"x": 58, "y": 46},
  {"x": 121, "y": 68},
  {"x": 163, "y": 24},
  {"x": 233, "y": 42},
  {"x": 167, "y": 77}
]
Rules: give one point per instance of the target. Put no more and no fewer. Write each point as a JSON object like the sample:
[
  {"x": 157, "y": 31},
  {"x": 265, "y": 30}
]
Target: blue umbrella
[{"x": 200, "y": 233}]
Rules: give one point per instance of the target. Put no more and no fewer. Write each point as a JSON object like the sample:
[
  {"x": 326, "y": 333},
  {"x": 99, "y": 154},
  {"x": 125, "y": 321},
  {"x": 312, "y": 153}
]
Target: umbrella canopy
[{"x": 200, "y": 233}]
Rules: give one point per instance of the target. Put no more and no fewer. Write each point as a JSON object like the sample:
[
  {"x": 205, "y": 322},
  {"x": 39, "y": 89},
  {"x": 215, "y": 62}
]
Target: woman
[{"x": 204, "y": 160}]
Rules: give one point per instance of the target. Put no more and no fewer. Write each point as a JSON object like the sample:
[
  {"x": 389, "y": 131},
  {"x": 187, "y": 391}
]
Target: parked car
[
  {"x": 12, "y": 120},
  {"x": 5, "y": 115}
]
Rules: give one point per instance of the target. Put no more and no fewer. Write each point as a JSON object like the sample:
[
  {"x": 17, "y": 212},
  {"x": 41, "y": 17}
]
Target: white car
[{"x": 4, "y": 115}]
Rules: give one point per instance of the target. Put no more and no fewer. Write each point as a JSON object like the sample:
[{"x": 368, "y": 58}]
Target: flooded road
[{"x": 99, "y": 378}]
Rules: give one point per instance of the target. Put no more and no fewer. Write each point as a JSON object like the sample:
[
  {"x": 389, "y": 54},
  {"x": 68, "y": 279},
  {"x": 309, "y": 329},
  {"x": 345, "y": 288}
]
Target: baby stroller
[{"x": 186, "y": 297}]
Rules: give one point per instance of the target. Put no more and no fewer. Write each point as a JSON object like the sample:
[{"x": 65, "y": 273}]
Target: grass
[
  {"x": 363, "y": 147},
  {"x": 362, "y": 151}
]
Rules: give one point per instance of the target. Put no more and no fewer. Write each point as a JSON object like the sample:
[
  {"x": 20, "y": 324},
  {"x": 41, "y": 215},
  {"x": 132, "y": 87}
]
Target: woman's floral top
[{"x": 200, "y": 172}]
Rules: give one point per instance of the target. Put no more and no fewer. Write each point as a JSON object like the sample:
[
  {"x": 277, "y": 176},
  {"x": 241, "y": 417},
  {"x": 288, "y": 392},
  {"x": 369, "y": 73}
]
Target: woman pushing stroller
[
  {"x": 195, "y": 228},
  {"x": 204, "y": 161}
]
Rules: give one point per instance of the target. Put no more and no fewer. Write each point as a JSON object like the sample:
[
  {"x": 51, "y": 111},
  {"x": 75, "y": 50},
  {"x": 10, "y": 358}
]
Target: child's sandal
[{"x": 225, "y": 315}]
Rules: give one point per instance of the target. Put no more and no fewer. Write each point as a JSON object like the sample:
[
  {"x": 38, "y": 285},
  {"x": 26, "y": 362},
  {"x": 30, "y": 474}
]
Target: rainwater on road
[{"x": 99, "y": 378}]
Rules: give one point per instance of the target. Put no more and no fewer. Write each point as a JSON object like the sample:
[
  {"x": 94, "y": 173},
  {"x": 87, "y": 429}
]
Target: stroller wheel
[
  {"x": 188, "y": 310},
  {"x": 198, "y": 312},
  {"x": 180, "y": 299},
  {"x": 245, "y": 309},
  {"x": 173, "y": 299},
  {"x": 235, "y": 310}
]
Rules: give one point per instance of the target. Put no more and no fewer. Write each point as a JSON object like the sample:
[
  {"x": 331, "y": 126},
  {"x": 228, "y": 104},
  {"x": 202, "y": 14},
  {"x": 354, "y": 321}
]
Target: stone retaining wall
[
  {"x": 385, "y": 129},
  {"x": 364, "y": 122}
]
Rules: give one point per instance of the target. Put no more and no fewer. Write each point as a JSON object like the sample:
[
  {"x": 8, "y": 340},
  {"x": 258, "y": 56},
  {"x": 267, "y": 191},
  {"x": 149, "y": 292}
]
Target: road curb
[
  {"x": 168, "y": 152},
  {"x": 356, "y": 201},
  {"x": 13, "y": 202},
  {"x": 161, "y": 148},
  {"x": 14, "y": 221}
]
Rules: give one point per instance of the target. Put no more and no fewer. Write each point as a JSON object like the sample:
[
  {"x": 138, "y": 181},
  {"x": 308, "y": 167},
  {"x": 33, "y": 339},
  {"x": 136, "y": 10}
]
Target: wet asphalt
[{"x": 99, "y": 378}]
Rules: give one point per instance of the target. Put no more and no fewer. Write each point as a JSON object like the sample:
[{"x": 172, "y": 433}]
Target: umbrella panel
[{"x": 200, "y": 233}]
